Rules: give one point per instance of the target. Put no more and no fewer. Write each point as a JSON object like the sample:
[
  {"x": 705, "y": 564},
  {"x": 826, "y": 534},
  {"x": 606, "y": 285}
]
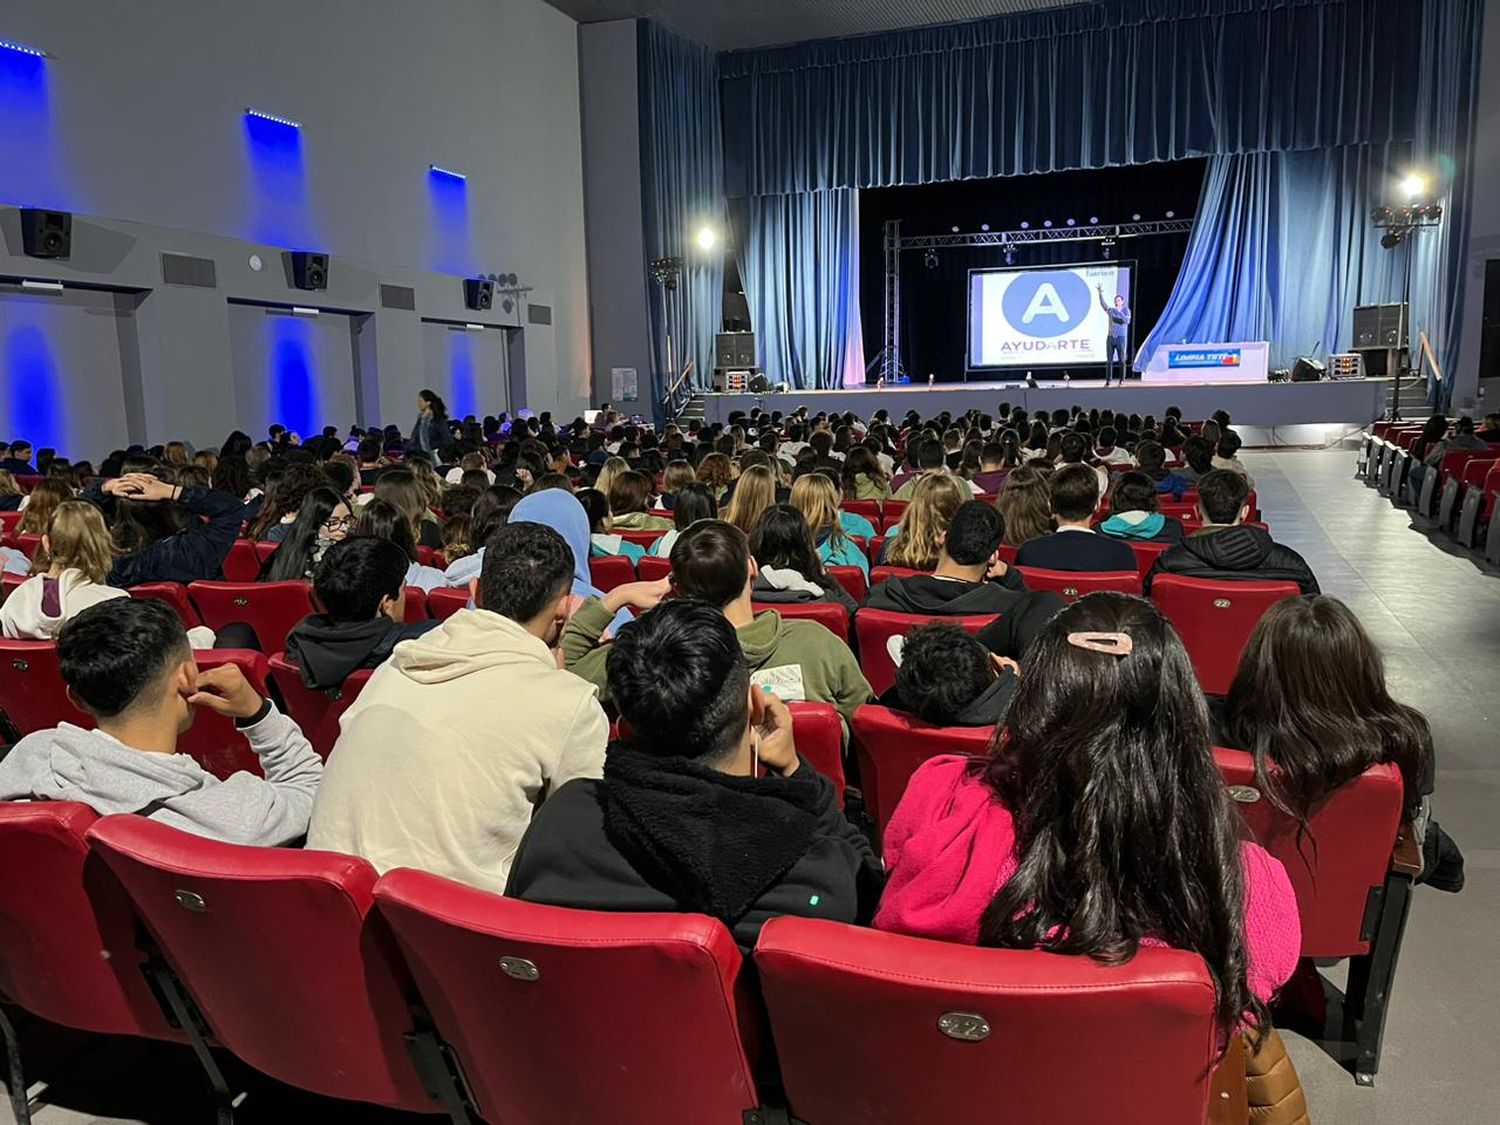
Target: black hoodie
[
  {"x": 1237, "y": 552},
  {"x": 1023, "y": 613},
  {"x": 984, "y": 710},
  {"x": 327, "y": 651}
]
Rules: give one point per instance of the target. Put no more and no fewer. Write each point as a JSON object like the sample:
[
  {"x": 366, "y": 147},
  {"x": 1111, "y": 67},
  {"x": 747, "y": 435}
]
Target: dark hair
[
  {"x": 943, "y": 669},
  {"x": 357, "y": 574},
  {"x": 300, "y": 478},
  {"x": 1221, "y": 495},
  {"x": 1074, "y": 490},
  {"x": 595, "y": 506},
  {"x": 1229, "y": 443},
  {"x": 1133, "y": 492},
  {"x": 783, "y": 540},
  {"x": 434, "y": 403},
  {"x": 113, "y": 652},
  {"x": 340, "y": 476},
  {"x": 1198, "y": 453},
  {"x": 1123, "y": 830},
  {"x": 370, "y": 449},
  {"x": 527, "y": 567},
  {"x": 295, "y": 557},
  {"x": 491, "y": 511},
  {"x": 137, "y": 524},
  {"x": 630, "y": 491},
  {"x": 679, "y": 679},
  {"x": 974, "y": 533},
  {"x": 928, "y": 454},
  {"x": 1310, "y": 697},
  {"x": 232, "y": 475},
  {"x": 1150, "y": 456},
  {"x": 1074, "y": 447},
  {"x": 711, "y": 562},
  {"x": 694, "y": 502},
  {"x": 381, "y": 519}
]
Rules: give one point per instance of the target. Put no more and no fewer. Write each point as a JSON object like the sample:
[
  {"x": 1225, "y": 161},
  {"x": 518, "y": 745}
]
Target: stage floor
[{"x": 1353, "y": 402}]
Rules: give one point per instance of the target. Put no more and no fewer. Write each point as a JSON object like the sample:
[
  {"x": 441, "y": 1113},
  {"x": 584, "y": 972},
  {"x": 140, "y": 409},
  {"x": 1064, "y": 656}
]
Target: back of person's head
[
  {"x": 974, "y": 534},
  {"x": 1229, "y": 444},
  {"x": 1074, "y": 490},
  {"x": 716, "y": 471},
  {"x": 1133, "y": 492},
  {"x": 754, "y": 492},
  {"x": 491, "y": 511},
  {"x": 358, "y": 577},
  {"x": 1123, "y": 831},
  {"x": 322, "y": 515},
  {"x": 1221, "y": 495},
  {"x": 711, "y": 562},
  {"x": 679, "y": 680},
  {"x": 694, "y": 502},
  {"x": 77, "y": 539},
  {"x": 596, "y": 506},
  {"x": 783, "y": 541},
  {"x": 928, "y": 455},
  {"x": 1073, "y": 448},
  {"x": 629, "y": 491},
  {"x": 943, "y": 669},
  {"x": 126, "y": 654},
  {"x": 383, "y": 520},
  {"x": 1465, "y": 425},
  {"x": 934, "y": 502},
  {"x": 49, "y": 493},
  {"x": 1310, "y": 699},
  {"x": 527, "y": 573},
  {"x": 992, "y": 455},
  {"x": 1492, "y": 421},
  {"x": 677, "y": 474},
  {"x": 1150, "y": 456},
  {"x": 1198, "y": 453},
  {"x": 1210, "y": 433},
  {"x": 816, "y": 496}
]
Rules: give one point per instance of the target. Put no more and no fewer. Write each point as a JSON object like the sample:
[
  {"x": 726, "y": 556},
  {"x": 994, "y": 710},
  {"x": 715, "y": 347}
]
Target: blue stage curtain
[
  {"x": 799, "y": 262},
  {"x": 682, "y": 188}
]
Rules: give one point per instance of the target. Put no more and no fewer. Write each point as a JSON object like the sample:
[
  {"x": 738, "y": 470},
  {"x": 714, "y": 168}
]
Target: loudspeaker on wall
[
  {"x": 479, "y": 294},
  {"x": 309, "y": 270},
  {"x": 46, "y": 234}
]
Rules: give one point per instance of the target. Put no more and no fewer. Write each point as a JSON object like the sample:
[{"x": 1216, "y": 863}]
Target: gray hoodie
[{"x": 69, "y": 763}]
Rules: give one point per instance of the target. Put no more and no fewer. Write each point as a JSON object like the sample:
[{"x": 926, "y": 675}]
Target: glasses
[{"x": 333, "y": 523}]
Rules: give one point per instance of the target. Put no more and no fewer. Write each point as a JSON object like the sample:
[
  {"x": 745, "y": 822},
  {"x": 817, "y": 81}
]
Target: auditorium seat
[
  {"x": 1146, "y": 554},
  {"x": 1352, "y": 872},
  {"x": 830, "y": 615},
  {"x": 1492, "y": 533},
  {"x": 870, "y": 509},
  {"x": 653, "y": 569},
  {"x": 264, "y": 549},
  {"x": 558, "y": 1015},
  {"x": 852, "y": 579},
  {"x": 892, "y": 511},
  {"x": 9, "y": 582},
  {"x": 1469, "y": 475},
  {"x": 609, "y": 571},
  {"x": 819, "y": 734},
  {"x": 879, "y": 574},
  {"x": 874, "y": 627},
  {"x": 432, "y": 556},
  {"x": 270, "y": 608},
  {"x": 1435, "y": 480},
  {"x": 9, "y": 521},
  {"x": 175, "y": 594},
  {"x": 1215, "y": 620},
  {"x": 416, "y": 605},
  {"x": 640, "y": 538},
  {"x": 275, "y": 948},
  {"x": 445, "y": 601},
  {"x": 242, "y": 564},
  {"x": 930, "y": 1031},
  {"x": 1481, "y": 482},
  {"x": 32, "y": 694},
  {"x": 28, "y": 544},
  {"x": 890, "y": 745},
  {"x": 874, "y": 547},
  {"x": 316, "y": 712},
  {"x": 213, "y": 741},
  {"x": 1183, "y": 512},
  {"x": 1072, "y": 585}
]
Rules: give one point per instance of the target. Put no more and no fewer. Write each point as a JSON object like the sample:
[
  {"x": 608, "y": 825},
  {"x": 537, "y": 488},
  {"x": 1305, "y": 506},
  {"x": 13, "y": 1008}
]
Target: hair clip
[{"x": 1111, "y": 644}]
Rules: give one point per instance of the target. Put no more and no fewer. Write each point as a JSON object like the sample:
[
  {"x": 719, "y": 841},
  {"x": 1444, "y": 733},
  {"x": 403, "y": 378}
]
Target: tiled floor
[{"x": 1436, "y": 614}]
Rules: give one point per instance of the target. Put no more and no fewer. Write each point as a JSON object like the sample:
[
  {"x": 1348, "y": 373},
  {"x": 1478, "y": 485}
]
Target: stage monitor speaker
[
  {"x": 734, "y": 349},
  {"x": 759, "y": 384},
  {"x": 46, "y": 234},
  {"x": 309, "y": 270},
  {"x": 1378, "y": 327},
  {"x": 1307, "y": 370},
  {"x": 479, "y": 294}
]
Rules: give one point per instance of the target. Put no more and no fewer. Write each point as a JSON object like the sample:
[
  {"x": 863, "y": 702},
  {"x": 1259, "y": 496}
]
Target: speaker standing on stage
[{"x": 1119, "y": 323}]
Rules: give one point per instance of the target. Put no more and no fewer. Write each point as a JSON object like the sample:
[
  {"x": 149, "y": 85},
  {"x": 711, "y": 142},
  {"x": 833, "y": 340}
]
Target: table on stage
[{"x": 1209, "y": 363}]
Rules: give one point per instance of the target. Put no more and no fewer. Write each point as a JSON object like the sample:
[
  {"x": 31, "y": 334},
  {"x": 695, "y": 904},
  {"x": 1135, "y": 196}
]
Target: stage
[{"x": 1351, "y": 403}]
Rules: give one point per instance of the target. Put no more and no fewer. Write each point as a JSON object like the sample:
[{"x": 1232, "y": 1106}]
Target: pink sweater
[{"x": 951, "y": 845}]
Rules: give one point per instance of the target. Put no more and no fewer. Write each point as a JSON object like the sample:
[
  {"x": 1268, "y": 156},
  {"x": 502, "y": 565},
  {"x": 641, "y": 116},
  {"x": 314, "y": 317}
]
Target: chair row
[{"x": 1457, "y": 498}]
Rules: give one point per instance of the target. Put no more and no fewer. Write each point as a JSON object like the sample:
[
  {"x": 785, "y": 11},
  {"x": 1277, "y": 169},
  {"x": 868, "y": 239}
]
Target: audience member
[
  {"x": 383, "y": 520},
  {"x": 11, "y": 495},
  {"x": 603, "y": 542},
  {"x": 1227, "y": 456},
  {"x": 864, "y": 478},
  {"x": 789, "y": 571},
  {"x": 323, "y": 520},
  {"x": 816, "y": 496},
  {"x": 753, "y": 493},
  {"x": 1025, "y": 504},
  {"x": 74, "y": 560},
  {"x": 949, "y": 679},
  {"x": 1133, "y": 513},
  {"x": 629, "y": 500},
  {"x": 1198, "y": 456},
  {"x": 164, "y": 532},
  {"x": 399, "y": 487},
  {"x": 929, "y": 459},
  {"x": 916, "y": 542},
  {"x": 17, "y": 460},
  {"x": 1151, "y": 459},
  {"x": 1075, "y": 546},
  {"x": 38, "y": 506}
]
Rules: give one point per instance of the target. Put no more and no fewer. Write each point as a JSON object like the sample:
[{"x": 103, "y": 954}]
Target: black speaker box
[
  {"x": 479, "y": 294},
  {"x": 734, "y": 349},
  {"x": 1307, "y": 370},
  {"x": 309, "y": 270},
  {"x": 1377, "y": 327},
  {"x": 46, "y": 234}
]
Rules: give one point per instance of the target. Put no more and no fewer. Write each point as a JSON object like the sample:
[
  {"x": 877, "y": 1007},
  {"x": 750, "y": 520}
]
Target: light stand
[
  {"x": 665, "y": 272},
  {"x": 1400, "y": 224}
]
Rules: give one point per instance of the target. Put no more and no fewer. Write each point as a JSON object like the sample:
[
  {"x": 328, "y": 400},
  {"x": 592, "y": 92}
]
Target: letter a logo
[{"x": 1046, "y": 302}]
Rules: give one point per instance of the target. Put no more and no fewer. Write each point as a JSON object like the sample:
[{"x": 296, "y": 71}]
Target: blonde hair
[
  {"x": 934, "y": 501},
  {"x": 753, "y": 494},
  {"x": 175, "y": 453},
  {"x": 8, "y": 485},
  {"x": 428, "y": 482},
  {"x": 675, "y": 475},
  {"x": 817, "y": 498},
  {"x": 1025, "y": 502},
  {"x": 77, "y": 539},
  {"x": 45, "y": 497},
  {"x": 207, "y": 459},
  {"x": 612, "y": 468}
]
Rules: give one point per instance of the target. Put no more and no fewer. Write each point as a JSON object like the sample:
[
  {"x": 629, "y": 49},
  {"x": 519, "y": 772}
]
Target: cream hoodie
[
  {"x": 451, "y": 746},
  {"x": 22, "y": 618}
]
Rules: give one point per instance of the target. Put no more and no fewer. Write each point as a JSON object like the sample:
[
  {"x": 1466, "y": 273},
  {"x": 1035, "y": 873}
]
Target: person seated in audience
[
  {"x": 1109, "y": 450},
  {"x": 1075, "y": 449},
  {"x": 674, "y": 477},
  {"x": 949, "y": 679},
  {"x": 1310, "y": 702},
  {"x": 11, "y": 495},
  {"x": 1133, "y": 513},
  {"x": 361, "y": 585},
  {"x": 127, "y": 663},
  {"x": 1490, "y": 434},
  {"x": 1151, "y": 458},
  {"x": 1463, "y": 438},
  {"x": 864, "y": 477},
  {"x": 488, "y": 515},
  {"x": 473, "y": 461},
  {"x": 916, "y": 542},
  {"x": 603, "y": 542},
  {"x": 1227, "y": 456},
  {"x": 72, "y": 564},
  {"x": 421, "y": 775},
  {"x": 694, "y": 502},
  {"x": 323, "y": 520},
  {"x": 680, "y": 820},
  {"x": 281, "y": 503},
  {"x": 164, "y": 532},
  {"x": 1075, "y": 545},
  {"x": 996, "y": 459},
  {"x": 754, "y": 491},
  {"x": 816, "y": 496},
  {"x": 1025, "y": 503},
  {"x": 1099, "y": 823},
  {"x": 1198, "y": 456},
  {"x": 929, "y": 458},
  {"x": 40, "y": 503},
  {"x": 798, "y": 661},
  {"x": 17, "y": 460},
  {"x": 399, "y": 487},
  {"x": 789, "y": 571},
  {"x": 380, "y": 519},
  {"x": 629, "y": 500},
  {"x": 1223, "y": 548}
]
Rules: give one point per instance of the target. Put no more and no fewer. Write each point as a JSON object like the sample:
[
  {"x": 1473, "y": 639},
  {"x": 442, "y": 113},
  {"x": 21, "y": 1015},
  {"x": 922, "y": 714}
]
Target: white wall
[
  {"x": 1484, "y": 228},
  {"x": 142, "y": 120}
]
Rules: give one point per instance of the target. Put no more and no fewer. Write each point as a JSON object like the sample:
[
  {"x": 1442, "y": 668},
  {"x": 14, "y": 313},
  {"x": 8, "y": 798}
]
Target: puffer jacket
[{"x": 1236, "y": 552}]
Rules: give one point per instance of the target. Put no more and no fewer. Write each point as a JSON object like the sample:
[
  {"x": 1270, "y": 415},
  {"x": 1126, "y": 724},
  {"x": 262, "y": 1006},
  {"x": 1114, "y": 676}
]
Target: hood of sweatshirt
[
  {"x": 1231, "y": 548},
  {"x": 69, "y": 763},
  {"x": 327, "y": 652},
  {"x": 1134, "y": 525},
  {"x": 927, "y": 593},
  {"x": 760, "y": 638},
  {"x": 787, "y": 581},
  {"x": 988, "y": 707},
  {"x": 469, "y": 642}
]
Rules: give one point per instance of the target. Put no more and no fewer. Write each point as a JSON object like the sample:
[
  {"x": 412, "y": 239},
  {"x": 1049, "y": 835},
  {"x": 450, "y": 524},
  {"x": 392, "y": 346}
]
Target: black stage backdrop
[{"x": 935, "y": 303}]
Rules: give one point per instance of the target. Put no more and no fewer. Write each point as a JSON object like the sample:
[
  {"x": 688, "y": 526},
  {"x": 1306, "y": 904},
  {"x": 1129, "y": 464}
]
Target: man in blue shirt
[{"x": 1119, "y": 325}]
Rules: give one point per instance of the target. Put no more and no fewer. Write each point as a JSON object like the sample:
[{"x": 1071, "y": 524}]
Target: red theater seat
[
  {"x": 316, "y": 712},
  {"x": 1215, "y": 620},
  {"x": 416, "y": 605},
  {"x": 1072, "y": 585},
  {"x": 610, "y": 571},
  {"x": 560, "y": 1015},
  {"x": 852, "y": 579},
  {"x": 830, "y": 615},
  {"x": 273, "y": 946},
  {"x": 879, "y": 574},
  {"x": 32, "y": 694},
  {"x": 870, "y": 509},
  {"x": 819, "y": 734},
  {"x": 874, "y": 627},
  {"x": 175, "y": 594},
  {"x": 1146, "y": 554},
  {"x": 445, "y": 601},
  {"x": 641, "y": 538},
  {"x": 270, "y": 608},
  {"x": 242, "y": 564},
  {"x": 892, "y": 511},
  {"x": 872, "y": 1026},
  {"x": 213, "y": 741},
  {"x": 892, "y": 744}
]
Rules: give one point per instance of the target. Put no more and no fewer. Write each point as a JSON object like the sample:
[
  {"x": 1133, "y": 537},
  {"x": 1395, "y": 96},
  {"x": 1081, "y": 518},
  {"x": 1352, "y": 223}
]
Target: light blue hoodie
[{"x": 562, "y": 512}]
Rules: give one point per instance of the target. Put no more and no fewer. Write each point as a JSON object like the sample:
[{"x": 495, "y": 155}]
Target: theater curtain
[
  {"x": 682, "y": 189},
  {"x": 799, "y": 261}
]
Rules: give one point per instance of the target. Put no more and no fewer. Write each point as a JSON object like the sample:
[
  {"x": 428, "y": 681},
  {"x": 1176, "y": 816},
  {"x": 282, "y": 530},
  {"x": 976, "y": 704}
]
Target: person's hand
[
  {"x": 778, "y": 749},
  {"x": 140, "y": 486},
  {"x": 997, "y": 568},
  {"x": 1004, "y": 663},
  {"x": 637, "y": 595},
  {"x": 225, "y": 691},
  {"x": 524, "y": 477}
]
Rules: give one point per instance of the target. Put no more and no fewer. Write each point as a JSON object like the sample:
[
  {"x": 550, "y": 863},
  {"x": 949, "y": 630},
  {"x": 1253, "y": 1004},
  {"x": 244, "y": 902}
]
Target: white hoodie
[
  {"x": 22, "y": 618},
  {"x": 451, "y": 746}
]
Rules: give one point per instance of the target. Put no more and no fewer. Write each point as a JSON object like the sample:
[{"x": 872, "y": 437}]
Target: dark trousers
[{"x": 1114, "y": 352}]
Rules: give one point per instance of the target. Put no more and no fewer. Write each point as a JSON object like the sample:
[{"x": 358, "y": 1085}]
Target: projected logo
[{"x": 1046, "y": 304}]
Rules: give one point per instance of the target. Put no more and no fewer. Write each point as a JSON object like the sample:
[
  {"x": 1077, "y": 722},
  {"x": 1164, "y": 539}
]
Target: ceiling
[{"x": 731, "y": 24}]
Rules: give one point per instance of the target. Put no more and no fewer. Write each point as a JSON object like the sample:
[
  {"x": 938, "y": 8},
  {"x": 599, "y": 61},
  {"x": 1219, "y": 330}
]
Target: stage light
[
  {"x": 1413, "y": 184},
  {"x": 439, "y": 170},
  {"x": 1390, "y": 240},
  {"x": 48, "y": 286},
  {"x": 304, "y": 310},
  {"x": 1072, "y": 222},
  {"x": 1025, "y": 226},
  {"x": 930, "y": 259},
  {"x": 954, "y": 229},
  {"x": 1136, "y": 217},
  {"x": 1047, "y": 223},
  {"x": 984, "y": 226},
  {"x": 1380, "y": 215},
  {"x": 273, "y": 118},
  {"x": 1171, "y": 214},
  {"x": 22, "y": 49},
  {"x": 706, "y": 238},
  {"x": 1093, "y": 220}
]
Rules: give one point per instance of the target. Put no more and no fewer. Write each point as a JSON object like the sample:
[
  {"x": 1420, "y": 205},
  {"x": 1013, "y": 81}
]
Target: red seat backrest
[
  {"x": 892, "y": 511},
  {"x": 1178, "y": 511},
  {"x": 561, "y": 1015},
  {"x": 874, "y": 627},
  {"x": 879, "y": 574},
  {"x": 264, "y": 549},
  {"x": 316, "y": 712},
  {"x": 28, "y": 544},
  {"x": 10, "y": 520},
  {"x": 32, "y": 693},
  {"x": 852, "y": 579},
  {"x": 175, "y": 594},
  {"x": 67, "y": 930},
  {"x": 273, "y": 946},
  {"x": 892, "y": 744},
  {"x": 819, "y": 734},
  {"x": 609, "y": 571},
  {"x": 9, "y": 582},
  {"x": 1477, "y": 470},
  {"x": 1215, "y": 620},
  {"x": 431, "y": 556},
  {"x": 1146, "y": 554},
  {"x": 270, "y": 608},
  {"x": 870, "y": 509},
  {"x": 416, "y": 605},
  {"x": 242, "y": 564},
  {"x": 652, "y": 568},
  {"x": 1345, "y": 856},
  {"x": 830, "y": 615},
  {"x": 1452, "y": 463},
  {"x": 213, "y": 740},
  {"x": 1492, "y": 479},
  {"x": 935, "y": 1029},
  {"x": 1073, "y": 585},
  {"x": 640, "y": 538},
  {"x": 445, "y": 601}
]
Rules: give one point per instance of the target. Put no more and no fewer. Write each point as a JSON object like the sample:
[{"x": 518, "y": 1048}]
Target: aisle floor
[{"x": 1437, "y": 616}]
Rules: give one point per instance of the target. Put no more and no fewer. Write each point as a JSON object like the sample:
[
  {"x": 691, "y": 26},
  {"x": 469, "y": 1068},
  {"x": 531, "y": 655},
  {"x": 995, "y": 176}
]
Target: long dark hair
[
  {"x": 300, "y": 478},
  {"x": 1123, "y": 830},
  {"x": 783, "y": 540},
  {"x": 137, "y": 524},
  {"x": 383, "y": 520},
  {"x": 1310, "y": 696},
  {"x": 297, "y": 555},
  {"x": 694, "y": 502},
  {"x": 861, "y": 460},
  {"x": 435, "y": 404}
]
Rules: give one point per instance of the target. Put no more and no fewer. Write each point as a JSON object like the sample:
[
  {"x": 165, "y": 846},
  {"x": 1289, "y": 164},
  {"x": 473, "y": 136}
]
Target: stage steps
[{"x": 693, "y": 411}]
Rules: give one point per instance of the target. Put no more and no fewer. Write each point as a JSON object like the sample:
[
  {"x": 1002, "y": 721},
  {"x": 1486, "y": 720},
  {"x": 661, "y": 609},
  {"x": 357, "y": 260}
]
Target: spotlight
[
  {"x": 930, "y": 259},
  {"x": 1171, "y": 214},
  {"x": 1093, "y": 220},
  {"x": 954, "y": 229},
  {"x": 1136, "y": 217},
  {"x": 1391, "y": 239},
  {"x": 1381, "y": 215},
  {"x": 1047, "y": 223},
  {"x": 1025, "y": 226},
  {"x": 706, "y": 238},
  {"x": 1413, "y": 184},
  {"x": 1435, "y": 211},
  {"x": 984, "y": 226},
  {"x": 1072, "y": 222}
]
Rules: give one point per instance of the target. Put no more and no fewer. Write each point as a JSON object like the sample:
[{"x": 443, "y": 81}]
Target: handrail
[{"x": 687, "y": 369}]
